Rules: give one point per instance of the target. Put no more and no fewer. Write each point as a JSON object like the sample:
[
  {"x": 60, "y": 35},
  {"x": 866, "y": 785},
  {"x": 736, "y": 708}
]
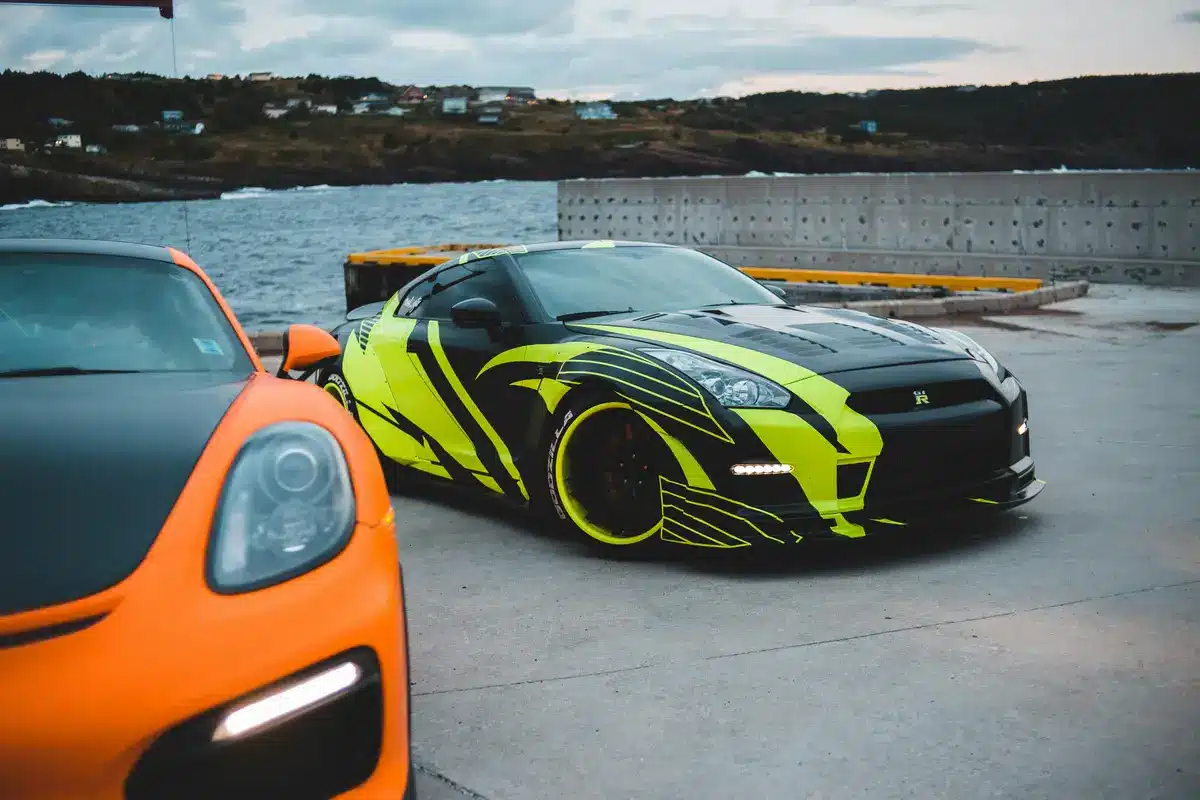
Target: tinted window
[
  {"x": 111, "y": 313},
  {"x": 636, "y": 278},
  {"x": 456, "y": 284},
  {"x": 416, "y": 295}
]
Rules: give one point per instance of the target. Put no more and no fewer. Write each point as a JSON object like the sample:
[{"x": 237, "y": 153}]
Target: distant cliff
[{"x": 1134, "y": 122}]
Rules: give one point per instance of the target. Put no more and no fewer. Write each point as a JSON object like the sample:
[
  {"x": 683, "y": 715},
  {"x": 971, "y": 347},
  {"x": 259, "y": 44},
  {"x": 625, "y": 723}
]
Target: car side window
[
  {"x": 487, "y": 280},
  {"x": 416, "y": 295}
]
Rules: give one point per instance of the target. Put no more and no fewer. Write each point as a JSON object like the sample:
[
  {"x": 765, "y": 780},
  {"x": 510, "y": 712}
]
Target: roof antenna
[{"x": 187, "y": 230}]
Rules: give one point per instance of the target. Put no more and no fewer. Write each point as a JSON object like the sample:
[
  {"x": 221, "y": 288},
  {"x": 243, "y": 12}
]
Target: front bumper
[
  {"x": 704, "y": 518},
  {"x": 126, "y": 707}
]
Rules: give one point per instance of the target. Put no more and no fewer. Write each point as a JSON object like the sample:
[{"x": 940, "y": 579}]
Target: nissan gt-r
[
  {"x": 634, "y": 391},
  {"x": 199, "y": 588}
]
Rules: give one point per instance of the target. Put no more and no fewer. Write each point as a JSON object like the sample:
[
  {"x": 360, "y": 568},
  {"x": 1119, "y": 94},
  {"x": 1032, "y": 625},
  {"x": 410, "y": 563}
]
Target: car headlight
[
  {"x": 733, "y": 387},
  {"x": 287, "y": 507},
  {"x": 974, "y": 349}
]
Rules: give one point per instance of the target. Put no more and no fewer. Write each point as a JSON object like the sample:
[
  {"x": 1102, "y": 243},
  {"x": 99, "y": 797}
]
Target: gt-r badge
[{"x": 920, "y": 397}]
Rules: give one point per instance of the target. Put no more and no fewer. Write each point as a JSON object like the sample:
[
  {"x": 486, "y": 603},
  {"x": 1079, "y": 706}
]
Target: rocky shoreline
[{"x": 108, "y": 180}]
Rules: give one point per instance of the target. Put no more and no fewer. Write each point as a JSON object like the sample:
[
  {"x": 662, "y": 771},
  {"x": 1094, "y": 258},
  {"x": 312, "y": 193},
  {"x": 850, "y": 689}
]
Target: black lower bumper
[{"x": 319, "y": 753}]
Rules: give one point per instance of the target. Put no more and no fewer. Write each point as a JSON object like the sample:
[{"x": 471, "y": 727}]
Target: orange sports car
[{"x": 200, "y": 594}]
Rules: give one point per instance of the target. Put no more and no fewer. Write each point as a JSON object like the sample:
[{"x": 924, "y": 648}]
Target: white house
[
  {"x": 600, "y": 110},
  {"x": 72, "y": 141},
  {"x": 325, "y": 108},
  {"x": 274, "y": 112},
  {"x": 454, "y": 105},
  {"x": 12, "y": 144},
  {"x": 296, "y": 102},
  {"x": 259, "y": 77},
  {"x": 493, "y": 94},
  {"x": 126, "y": 128},
  {"x": 96, "y": 149}
]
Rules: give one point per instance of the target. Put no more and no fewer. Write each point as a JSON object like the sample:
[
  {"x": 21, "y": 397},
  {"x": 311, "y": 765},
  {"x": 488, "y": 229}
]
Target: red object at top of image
[{"x": 165, "y": 7}]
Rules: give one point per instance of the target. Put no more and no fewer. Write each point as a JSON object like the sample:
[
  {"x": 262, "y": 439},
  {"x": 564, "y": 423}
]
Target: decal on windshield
[{"x": 208, "y": 346}]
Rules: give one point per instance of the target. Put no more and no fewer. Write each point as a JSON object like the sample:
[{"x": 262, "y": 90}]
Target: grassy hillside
[{"x": 1101, "y": 122}]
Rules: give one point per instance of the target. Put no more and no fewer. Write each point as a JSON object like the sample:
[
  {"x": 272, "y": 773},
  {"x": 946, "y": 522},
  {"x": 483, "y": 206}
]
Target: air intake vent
[
  {"x": 849, "y": 335},
  {"x": 784, "y": 341}
]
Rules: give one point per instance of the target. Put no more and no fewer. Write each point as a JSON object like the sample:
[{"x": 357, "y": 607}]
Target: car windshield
[
  {"x": 613, "y": 279},
  {"x": 70, "y": 313}
]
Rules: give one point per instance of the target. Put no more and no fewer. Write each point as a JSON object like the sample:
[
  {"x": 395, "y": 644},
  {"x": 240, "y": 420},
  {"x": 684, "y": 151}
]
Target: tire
[
  {"x": 332, "y": 381},
  {"x": 600, "y": 474}
]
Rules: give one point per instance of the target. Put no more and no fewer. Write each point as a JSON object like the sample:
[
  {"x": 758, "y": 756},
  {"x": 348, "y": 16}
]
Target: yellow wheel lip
[
  {"x": 337, "y": 393},
  {"x": 569, "y": 504}
]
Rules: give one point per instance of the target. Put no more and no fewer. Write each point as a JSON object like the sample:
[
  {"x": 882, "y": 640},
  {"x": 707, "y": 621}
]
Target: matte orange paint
[
  {"x": 76, "y": 711},
  {"x": 305, "y": 345}
]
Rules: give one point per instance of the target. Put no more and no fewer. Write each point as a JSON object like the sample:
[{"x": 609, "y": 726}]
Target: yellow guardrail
[
  {"x": 430, "y": 256},
  {"x": 420, "y": 256},
  {"x": 960, "y": 283}
]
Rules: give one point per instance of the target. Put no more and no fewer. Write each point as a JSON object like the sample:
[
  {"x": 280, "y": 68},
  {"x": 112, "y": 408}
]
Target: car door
[{"x": 479, "y": 421}]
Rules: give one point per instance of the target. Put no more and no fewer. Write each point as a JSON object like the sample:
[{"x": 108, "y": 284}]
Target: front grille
[
  {"x": 900, "y": 400},
  {"x": 940, "y": 458}
]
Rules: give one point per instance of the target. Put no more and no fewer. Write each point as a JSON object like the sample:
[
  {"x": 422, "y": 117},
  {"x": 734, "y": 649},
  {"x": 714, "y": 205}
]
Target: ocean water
[{"x": 277, "y": 256}]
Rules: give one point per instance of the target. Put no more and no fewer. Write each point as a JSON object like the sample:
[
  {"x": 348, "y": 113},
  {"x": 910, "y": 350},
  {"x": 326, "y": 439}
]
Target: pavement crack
[
  {"x": 535, "y": 681},
  {"x": 946, "y": 623},
  {"x": 434, "y": 773}
]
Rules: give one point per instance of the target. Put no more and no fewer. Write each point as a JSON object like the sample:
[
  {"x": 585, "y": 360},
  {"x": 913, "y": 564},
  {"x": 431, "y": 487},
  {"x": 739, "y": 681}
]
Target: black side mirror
[
  {"x": 475, "y": 312},
  {"x": 776, "y": 290}
]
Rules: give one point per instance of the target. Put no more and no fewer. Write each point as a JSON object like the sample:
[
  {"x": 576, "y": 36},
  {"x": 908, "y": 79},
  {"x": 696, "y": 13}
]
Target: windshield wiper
[
  {"x": 585, "y": 314},
  {"x": 41, "y": 372}
]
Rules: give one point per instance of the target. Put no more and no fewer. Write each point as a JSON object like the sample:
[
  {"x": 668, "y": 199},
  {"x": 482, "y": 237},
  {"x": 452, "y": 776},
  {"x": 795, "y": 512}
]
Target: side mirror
[
  {"x": 776, "y": 290},
  {"x": 475, "y": 312},
  {"x": 305, "y": 347}
]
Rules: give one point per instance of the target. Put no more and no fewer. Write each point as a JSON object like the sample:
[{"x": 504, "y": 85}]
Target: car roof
[
  {"x": 90, "y": 247},
  {"x": 581, "y": 243}
]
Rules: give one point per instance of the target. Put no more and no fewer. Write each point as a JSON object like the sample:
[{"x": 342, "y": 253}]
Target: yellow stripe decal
[{"x": 435, "y": 344}]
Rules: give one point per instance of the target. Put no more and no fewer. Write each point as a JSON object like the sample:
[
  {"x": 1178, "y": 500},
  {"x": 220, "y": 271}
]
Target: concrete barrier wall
[{"x": 1122, "y": 227}]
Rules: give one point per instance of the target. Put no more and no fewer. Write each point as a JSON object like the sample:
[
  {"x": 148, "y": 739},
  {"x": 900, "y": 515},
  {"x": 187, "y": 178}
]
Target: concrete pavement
[{"x": 1052, "y": 653}]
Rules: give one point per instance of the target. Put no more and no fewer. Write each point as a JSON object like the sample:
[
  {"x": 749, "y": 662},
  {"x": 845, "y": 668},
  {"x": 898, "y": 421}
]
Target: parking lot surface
[{"x": 1054, "y": 652}]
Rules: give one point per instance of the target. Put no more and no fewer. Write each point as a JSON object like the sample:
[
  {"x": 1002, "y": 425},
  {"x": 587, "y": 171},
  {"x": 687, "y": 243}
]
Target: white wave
[
  {"x": 251, "y": 192},
  {"x": 33, "y": 204}
]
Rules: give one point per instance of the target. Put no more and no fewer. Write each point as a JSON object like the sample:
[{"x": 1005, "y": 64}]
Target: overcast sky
[{"x": 622, "y": 48}]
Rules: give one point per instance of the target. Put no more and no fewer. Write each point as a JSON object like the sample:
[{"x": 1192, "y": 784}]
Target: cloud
[
  {"x": 621, "y": 48},
  {"x": 1189, "y": 16}
]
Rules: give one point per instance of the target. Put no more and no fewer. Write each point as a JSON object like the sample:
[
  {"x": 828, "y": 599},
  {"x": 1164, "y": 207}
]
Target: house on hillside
[
  {"x": 172, "y": 116},
  {"x": 271, "y": 111},
  {"x": 59, "y": 122},
  {"x": 12, "y": 144},
  {"x": 490, "y": 114},
  {"x": 296, "y": 102},
  {"x": 373, "y": 97},
  {"x": 70, "y": 141},
  {"x": 96, "y": 149},
  {"x": 214, "y": 76},
  {"x": 867, "y": 125},
  {"x": 599, "y": 110},
  {"x": 127, "y": 128},
  {"x": 260, "y": 77},
  {"x": 329, "y": 109},
  {"x": 412, "y": 94},
  {"x": 492, "y": 94},
  {"x": 454, "y": 105}
]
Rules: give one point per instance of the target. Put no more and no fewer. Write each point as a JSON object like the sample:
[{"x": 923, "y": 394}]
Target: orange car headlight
[{"x": 286, "y": 508}]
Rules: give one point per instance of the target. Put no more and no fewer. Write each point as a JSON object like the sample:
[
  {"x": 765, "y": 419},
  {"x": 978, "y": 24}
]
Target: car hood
[
  {"x": 90, "y": 467},
  {"x": 822, "y": 340}
]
